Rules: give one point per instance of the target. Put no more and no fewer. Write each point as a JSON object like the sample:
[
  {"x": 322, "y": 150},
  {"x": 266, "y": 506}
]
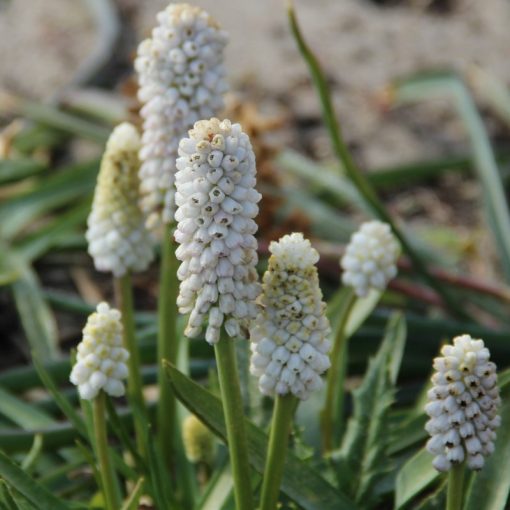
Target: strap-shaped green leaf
[
  {"x": 300, "y": 482},
  {"x": 414, "y": 476},
  {"x": 29, "y": 488}
]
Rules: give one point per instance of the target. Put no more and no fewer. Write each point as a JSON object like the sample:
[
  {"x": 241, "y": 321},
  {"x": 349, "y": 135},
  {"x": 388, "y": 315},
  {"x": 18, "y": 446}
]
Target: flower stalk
[
  {"x": 283, "y": 412},
  {"x": 455, "y": 491},
  {"x": 289, "y": 344},
  {"x": 234, "y": 418},
  {"x": 333, "y": 410},
  {"x": 168, "y": 347},
  {"x": 108, "y": 478},
  {"x": 124, "y": 299}
]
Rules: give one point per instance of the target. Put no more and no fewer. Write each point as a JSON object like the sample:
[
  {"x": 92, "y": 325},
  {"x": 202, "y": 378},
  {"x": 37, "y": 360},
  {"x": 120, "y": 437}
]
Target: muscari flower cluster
[
  {"x": 217, "y": 201},
  {"x": 101, "y": 359},
  {"x": 463, "y": 405},
  {"x": 290, "y": 334},
  {"x": 117, "y": 238},
  {"x": 181, "y": 77},
  {"x": 370, "y": 258}
]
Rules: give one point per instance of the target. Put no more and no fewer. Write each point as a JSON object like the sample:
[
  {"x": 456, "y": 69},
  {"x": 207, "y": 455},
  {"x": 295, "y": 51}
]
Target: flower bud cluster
[
  {"x": 370, "y": 258},
  {"x": 198, "y": 440},
  {"x": 181, "y": 79},
  {"x": 217, "y": 201},
  {"x": 116, "y": 233},
  {"x": 101, "y": 359},
  {"x": 289, "y": 337},
  {"x": 463, "y": 405}
]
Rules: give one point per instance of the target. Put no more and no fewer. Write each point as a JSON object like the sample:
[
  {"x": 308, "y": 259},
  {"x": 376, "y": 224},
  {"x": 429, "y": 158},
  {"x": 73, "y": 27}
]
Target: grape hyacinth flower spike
[
  {"x": 101, "y": 370},
  {"x": 117, "y": 238},
  {"x": 370, "y": 258},
  {"x": 289, "y": 338},
  {"x": 290, "y": 345},
  {"x": 463, "y": 405},
  {"x": 217, "y": 201},
  {"x": 101, "y": 358},
  {"x": 182, "y": 80},
  {"x": 119, "y": 241}
]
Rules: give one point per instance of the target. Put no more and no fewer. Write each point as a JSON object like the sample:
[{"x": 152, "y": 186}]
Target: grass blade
[
  {"x": 53, "y": 117},
  {"x": 353, "y": 172},
  {"x": 69, "y": 184},
  {"x": 59, "y": 398},
  {"x": 12, "y": 170},
  {"x": 133, "y": 500},
  {"x": 35, "y": 314},
  {"x": 495, "y": 202},
  {"x": 30, "y": 489}
]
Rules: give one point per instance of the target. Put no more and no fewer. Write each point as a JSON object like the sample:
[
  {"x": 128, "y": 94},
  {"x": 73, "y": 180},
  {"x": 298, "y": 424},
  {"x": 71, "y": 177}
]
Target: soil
[{"x": 363, "y": 45}]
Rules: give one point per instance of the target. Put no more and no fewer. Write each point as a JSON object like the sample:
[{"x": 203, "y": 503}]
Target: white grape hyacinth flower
[
  {"x": 182, "y": 80},
  {"x": 101, "y": 358},
  {"x": 289, "y": 338},
  {"x": 118, "y": 240},
  {"x": 217, "y": 201},
  {"x": 369, "y": 261},
  {"x": 463, "y": 405}
]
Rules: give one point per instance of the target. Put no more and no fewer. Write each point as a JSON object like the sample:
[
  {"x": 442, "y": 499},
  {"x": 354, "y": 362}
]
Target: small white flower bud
[
  {"x": 369, "y": 261},
  {"x": 217, "y": 273},
  {"x": 463, "y": 405},
  {"x": 282, "y": 332},
  {"x": 100, "y": 362},
  {"x": 116, "y": 233},
  {"x": 181, "y": 77}
]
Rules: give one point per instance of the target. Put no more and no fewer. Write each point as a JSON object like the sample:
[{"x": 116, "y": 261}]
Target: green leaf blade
[{"x": 300, "y": 482}]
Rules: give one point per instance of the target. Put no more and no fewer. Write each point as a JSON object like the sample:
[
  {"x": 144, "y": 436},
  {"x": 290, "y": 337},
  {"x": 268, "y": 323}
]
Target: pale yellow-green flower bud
[
  {"x": 117, "y": 237},
  {"x": 289, "y": 337},
  {"x": 198, "y": 440}
]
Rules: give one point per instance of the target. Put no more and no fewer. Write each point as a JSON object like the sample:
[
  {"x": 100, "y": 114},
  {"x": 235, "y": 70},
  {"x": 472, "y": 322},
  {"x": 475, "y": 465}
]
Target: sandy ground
[{"x": 361, "y": 45}]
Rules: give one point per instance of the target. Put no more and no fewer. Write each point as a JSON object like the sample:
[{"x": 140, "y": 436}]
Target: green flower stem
[
  {"x": 124, "y": 299},
  {"x": 277, "y": 450},
  {"x": 333, "y": 410},
  {"x": 359, "y": 179},
  {"x": 108, "y": 477},
  {"x": 234, "y": 419},
  {"x": 455, "y": 487},
  {"x": 168, "y": 347}
]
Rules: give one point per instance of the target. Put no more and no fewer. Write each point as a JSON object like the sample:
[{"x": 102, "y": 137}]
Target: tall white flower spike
[
  {"x": 217, "y": 201},
  {"x": 463, "y": 405},
  {"x": 116, "y": 233},
  {"x": 289, "y": 337},
  {"x": 101, "y": 359},
  {"x": 182, "y": 80},
  {"x": 370, "y": 258}
]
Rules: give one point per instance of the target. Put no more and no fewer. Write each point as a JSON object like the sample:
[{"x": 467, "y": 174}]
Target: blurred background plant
[{"x": 421, "y": 94}]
